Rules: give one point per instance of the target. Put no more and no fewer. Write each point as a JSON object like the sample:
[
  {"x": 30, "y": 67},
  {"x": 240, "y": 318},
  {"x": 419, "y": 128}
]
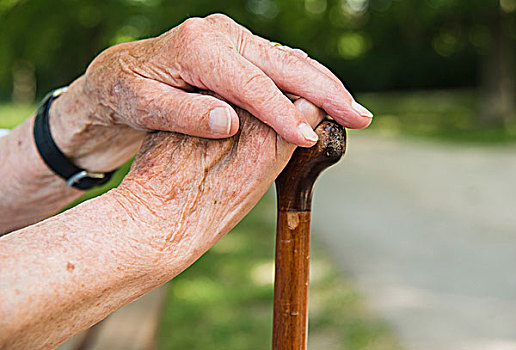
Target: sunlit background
[{"x": 422, "y": 206}]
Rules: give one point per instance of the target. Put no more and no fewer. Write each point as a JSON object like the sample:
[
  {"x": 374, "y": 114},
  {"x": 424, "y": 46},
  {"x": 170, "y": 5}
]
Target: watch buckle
[{"x": 83, "y": 174}]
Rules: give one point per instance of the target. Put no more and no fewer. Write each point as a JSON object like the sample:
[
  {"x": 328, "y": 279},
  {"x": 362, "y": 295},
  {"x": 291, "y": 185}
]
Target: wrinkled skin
[
  {"x": 137, "y": 87},
  {"x": 141, "y": 86},
  {"x": 147, "y": 84},
  {"x": 181, "y": 195},
  {"x": 187, "y": 192}
]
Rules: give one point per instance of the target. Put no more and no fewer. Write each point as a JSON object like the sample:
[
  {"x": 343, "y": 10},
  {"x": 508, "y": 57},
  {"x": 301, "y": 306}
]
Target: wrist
[
  {"x": 85, "y": 137},
  {"x": 147, "y": 236},
  {"x": 92, "y": 266},
  {"x": 120, "y": 229},
  {"x": 171, "y": 241}
]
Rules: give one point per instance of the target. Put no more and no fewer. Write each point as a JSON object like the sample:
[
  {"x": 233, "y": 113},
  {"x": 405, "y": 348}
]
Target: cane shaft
[
  {"x": 294, "y": 187},
  {"x": 291, "y": 280}
]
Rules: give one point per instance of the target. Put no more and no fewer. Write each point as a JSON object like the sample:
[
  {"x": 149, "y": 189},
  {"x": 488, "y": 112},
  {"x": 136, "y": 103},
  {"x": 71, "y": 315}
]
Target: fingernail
[
  {"x": 220, "y": 120},
  {"x": 307, "y": 132},
  {"x": 364, "y": 112}
]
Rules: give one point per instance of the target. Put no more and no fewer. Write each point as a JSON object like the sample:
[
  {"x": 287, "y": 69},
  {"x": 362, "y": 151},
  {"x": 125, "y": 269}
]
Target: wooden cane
[{"x": 294, "y": 187}]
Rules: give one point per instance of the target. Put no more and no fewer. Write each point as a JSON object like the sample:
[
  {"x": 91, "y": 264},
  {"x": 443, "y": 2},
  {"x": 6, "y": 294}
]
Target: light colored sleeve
[{"x": 4, "y": 132}]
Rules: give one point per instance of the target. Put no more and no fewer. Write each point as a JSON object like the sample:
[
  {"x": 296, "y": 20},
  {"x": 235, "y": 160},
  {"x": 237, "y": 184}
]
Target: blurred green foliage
[
  {"x": 13, "y": 114},
  {"x": 373, "y": 44},
  {"x": 442, "y": 115}
]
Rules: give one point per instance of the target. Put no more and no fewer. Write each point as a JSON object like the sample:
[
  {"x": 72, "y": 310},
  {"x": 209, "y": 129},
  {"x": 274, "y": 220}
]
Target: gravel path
[{"x": 428, "y": 231}]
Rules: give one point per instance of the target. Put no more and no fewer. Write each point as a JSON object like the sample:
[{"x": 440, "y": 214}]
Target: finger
[
  {"x": 157, "y": 106},
  {"x": 242, "y": 83},
  {"x": 303, "y": 55},
  {"x": 295, "y": 75},
  {"x": 324, "y": 70},
  {"x": 292, "y": 97},
  {"x": 313, "y": 114}
]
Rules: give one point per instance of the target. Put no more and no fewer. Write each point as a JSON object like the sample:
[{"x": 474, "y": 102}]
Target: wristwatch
[{"x": 54, "y": 158}]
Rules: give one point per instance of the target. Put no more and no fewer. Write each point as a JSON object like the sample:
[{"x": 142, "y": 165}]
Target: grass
[
  {"x": 224, "y": 301},
  {"x": 13, "y": 114}
]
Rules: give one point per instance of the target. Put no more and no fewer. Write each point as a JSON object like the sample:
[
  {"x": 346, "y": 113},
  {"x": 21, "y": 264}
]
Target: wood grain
[{"x": 294, "y": 188}]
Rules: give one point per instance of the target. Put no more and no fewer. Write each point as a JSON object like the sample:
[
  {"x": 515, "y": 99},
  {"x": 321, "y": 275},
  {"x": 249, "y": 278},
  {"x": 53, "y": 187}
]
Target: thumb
[{"x": 163, "y": 107}]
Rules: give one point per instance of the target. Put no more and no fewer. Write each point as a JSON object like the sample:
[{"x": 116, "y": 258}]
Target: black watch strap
[{"x": 55, "y": 159}]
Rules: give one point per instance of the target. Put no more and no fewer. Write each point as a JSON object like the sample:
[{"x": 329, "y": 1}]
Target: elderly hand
[
  {"x": 184, "y": 193},
  {"x": 149, "y": 85}
]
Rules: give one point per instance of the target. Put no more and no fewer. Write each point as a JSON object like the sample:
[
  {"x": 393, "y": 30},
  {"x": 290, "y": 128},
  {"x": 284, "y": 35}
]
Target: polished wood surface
[
  {"x": 294, "y": 189},
  {"x": 291, "y": 280}
]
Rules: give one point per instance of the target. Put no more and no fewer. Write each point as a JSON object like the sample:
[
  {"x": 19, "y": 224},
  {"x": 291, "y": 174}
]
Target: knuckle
[
  {"x": 191, "y": 35},
  {"x": 257, "y": 84},
  {"x": 225, "y": 24},
  {"x": 327, "y": 103},
  {"x": 218, "y": 17},
  {"x": 301, "y": 53},
  {"x": 292, "y": 51},
  {"x": 192, "y": 25},
  {"x": 292, "y": 60},
  {"x": 312, "y": 61}
]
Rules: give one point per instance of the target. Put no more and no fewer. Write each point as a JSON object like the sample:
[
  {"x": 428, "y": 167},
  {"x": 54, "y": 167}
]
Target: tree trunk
[
  {"x": 24, "y": 82},
  {"x": 499, "y": 74}
]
